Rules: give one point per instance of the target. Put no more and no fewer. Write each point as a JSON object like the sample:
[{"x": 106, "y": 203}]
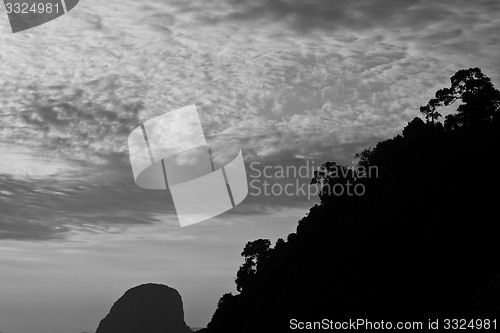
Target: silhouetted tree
[
  {"x": 422, "y": 243},
  {"x": 489, "y": 299},
  {"x": 414, "y": 129},
  {"x": 330, "y": 175},
  {"x": 429, "y": 110},
  {"x": 255, "y": 254},
  {"x": 280, "y": 243},
  {"x": 480, "y": 100}
]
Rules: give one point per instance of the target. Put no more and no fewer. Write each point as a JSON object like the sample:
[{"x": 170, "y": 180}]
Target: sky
[{"x": 289, "y": 82}]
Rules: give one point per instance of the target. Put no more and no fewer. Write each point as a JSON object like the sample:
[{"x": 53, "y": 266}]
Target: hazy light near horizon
[{"x": 75, "y": 231}]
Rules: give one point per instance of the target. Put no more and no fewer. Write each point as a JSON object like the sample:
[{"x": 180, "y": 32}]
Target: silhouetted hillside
[
  {"x": 421, "y": 243},
  {"x": 148, "y": 308}
]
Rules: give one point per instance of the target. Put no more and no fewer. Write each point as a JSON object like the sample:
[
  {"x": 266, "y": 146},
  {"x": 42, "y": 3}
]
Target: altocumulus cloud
[{"x": 286, "y": 80}]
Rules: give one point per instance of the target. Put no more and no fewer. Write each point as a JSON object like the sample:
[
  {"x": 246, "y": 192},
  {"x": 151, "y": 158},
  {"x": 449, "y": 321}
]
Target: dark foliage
[{"x": 421, "y": 243}]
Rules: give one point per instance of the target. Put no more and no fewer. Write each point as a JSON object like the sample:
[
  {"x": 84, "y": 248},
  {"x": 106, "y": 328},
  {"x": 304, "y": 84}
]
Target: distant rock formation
[{"x": 148, "y": 308}]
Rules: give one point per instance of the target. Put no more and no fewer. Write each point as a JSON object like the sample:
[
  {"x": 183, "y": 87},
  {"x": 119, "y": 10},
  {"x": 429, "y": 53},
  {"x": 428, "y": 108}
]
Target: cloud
[
  {"x": 284, "y": 80},
  {"x": 304, "y": 16},
  {"x": 97, "y": 202},
  {"x": 288, "y": 81},
  {"x": 79, "y": 124}
]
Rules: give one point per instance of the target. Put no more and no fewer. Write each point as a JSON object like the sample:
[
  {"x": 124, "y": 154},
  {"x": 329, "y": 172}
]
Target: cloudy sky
[{"x": 290, "y": 82}]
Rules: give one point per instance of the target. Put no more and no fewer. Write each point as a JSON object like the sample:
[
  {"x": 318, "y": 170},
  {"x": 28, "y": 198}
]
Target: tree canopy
[
  {"x": 479, "y": 99},
  {"x": 420, "y": 243}
]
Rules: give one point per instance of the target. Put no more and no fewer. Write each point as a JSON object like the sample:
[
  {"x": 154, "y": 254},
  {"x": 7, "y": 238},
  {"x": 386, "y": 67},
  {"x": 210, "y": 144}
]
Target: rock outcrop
[{"x": 148, "y": 308}]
